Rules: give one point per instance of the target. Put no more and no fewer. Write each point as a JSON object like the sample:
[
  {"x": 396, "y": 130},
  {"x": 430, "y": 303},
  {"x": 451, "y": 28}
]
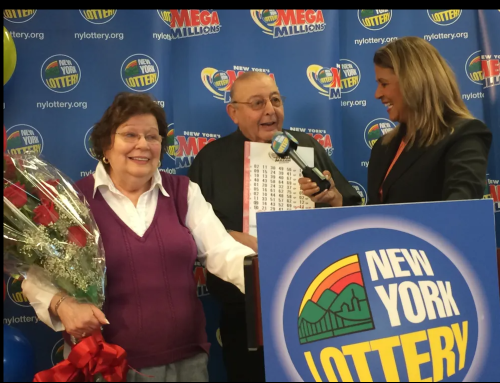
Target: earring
[
  {"x": 159, "y": 163},
  {"x": 105, "y": 160}
]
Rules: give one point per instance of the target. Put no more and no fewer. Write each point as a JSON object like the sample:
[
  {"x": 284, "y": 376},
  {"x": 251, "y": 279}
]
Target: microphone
[{"x": 284, "y": 144}]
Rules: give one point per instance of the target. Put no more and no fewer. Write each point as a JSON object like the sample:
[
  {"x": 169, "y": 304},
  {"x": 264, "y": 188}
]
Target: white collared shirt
[
  {"x": 139, "y": 217},
  {"x": 217, "y": 250}
]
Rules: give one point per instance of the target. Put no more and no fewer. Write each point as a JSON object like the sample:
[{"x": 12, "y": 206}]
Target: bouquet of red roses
[
  {"x": 50, "y": 236},
  {"x": 49, "y": 230}
]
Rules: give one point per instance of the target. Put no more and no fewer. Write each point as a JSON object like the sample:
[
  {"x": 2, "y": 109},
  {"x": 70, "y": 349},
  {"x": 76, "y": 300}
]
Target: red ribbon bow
[{"x": 89, "y": 357}]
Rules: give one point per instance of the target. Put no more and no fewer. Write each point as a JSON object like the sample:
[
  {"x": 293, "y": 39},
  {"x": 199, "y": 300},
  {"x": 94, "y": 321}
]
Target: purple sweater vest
[{"x": 151, "y": 300}]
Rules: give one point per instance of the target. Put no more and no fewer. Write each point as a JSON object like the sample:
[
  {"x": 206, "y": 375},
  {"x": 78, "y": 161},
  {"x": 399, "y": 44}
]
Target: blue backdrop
[{"x": 71, "y": 63}]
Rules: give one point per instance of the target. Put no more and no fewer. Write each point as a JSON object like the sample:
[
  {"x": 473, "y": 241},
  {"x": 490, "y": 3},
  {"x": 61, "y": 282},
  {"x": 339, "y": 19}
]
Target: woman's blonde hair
[{"x": 429, "y": 88}]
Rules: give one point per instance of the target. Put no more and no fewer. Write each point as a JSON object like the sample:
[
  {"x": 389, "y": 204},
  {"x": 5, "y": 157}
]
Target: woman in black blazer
[{"x": 439, "y": 151}]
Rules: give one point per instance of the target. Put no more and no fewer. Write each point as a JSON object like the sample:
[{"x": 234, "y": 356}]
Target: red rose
[
  {"x": 45, "y": 192},
  {"x": 9, "y": 171},
  {"x": 76, "y": 235},
  {"x": 16, "y": 194},
  {"x": 45, "y": 214}
]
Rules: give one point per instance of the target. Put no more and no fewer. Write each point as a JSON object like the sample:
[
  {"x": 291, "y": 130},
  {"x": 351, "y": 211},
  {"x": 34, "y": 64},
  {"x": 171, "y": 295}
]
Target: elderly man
[{"x": 256, "y": 107}]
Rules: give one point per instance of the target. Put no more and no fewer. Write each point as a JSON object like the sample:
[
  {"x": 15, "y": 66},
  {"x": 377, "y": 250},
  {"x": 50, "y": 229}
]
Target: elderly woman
[{"x": 153, "y": 226}]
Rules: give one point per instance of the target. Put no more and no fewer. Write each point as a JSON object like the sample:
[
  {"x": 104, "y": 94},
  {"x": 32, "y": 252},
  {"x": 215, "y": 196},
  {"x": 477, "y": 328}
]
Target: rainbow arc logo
[{"x": 335, "y": 303}]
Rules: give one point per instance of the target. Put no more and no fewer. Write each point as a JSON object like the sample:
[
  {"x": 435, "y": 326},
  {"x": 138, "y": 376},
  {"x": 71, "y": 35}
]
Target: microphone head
[
  {"x": 293, "y": 141},
  {"x": 280, "y": 144}
]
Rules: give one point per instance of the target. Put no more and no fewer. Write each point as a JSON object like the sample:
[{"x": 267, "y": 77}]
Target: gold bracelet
[{"x": 59, "y": 303}]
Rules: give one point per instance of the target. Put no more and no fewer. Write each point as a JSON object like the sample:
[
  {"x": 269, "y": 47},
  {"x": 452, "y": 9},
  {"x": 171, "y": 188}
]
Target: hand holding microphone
[
  {"x": 284, "y": 144},
  {"x": 319, "y": 187},
  {"x": 330, "y": 196}
]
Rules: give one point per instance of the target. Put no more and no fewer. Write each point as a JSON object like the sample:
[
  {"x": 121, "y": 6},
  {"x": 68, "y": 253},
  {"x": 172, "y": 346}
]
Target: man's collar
[
  {"x": 239, "y": 134},
  {"x": 102, "y": 178}
]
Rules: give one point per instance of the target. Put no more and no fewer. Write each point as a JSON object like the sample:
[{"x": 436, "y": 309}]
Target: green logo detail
[
  {"x": 52, "y": 70},
  {"x": 367, "y": 13},
  {"x": 342, "y": 308},
  {"x": 132, "y": 69}
]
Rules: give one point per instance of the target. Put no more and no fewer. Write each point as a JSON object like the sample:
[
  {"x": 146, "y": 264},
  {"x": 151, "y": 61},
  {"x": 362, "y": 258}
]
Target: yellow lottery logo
[
  {"x": 360, "y": 190},
  {"x": 374, "y": 19},
  {"x": 18, "y": 15},
  {"x": 60, "y": 73},
  {"x": 98, "y": 16},
  {"x": 15, "y": 291},
  {"x": 473, "y": 68},
  {"x": 444, "y": 16},
  {"x": 23, "y": 138},
  {"x": 140, "y": 72}
]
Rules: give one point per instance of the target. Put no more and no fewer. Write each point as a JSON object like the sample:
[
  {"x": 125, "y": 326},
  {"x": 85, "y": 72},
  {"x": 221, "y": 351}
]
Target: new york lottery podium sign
[{"x": 405, "y": 292}]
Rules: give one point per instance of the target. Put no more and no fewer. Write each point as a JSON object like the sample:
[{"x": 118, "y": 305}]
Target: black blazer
[{"x": 452, "y": 169}]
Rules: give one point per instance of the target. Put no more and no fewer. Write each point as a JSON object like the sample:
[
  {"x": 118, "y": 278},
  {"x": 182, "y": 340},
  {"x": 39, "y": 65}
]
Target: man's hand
[
  {"x": 245, "y": 239},
  {"x": 79, "y": 319},
  {"x": 331, "y": 196}
]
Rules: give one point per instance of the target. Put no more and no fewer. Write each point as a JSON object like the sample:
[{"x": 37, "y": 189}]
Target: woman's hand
[
  {"x": 79, "y": 319},
  {"x": 245, "y": 239},
  {"x": 331, "y": 196}
]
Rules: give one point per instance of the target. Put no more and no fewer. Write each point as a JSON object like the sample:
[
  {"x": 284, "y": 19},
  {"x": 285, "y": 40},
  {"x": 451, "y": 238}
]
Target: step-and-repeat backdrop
[{"x": 71, "y": 64}]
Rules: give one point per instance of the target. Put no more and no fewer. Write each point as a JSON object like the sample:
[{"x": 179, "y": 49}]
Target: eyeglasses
[
  {"x": 133, "y": 138},
  {"x": 260, "y": 103}
]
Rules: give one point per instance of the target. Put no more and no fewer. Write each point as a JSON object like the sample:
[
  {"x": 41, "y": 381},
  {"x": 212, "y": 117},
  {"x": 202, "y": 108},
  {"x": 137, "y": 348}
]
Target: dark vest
[{"x": 151, "y": 297}]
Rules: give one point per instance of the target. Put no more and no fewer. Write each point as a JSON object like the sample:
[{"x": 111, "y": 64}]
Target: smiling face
[
  {"x": 134, "y": 159},
  {"x": 257, "y": 125},
  {"x": 389, "y": 93}
]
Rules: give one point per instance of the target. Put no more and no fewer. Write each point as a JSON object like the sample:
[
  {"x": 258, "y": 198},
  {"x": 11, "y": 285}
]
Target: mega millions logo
[
  {"x": 491, "y": 70},
  {"x": 396, "y": 303},
  {"x": 57, "y": 353},
  {"x": 15, "y": 292},
  {"x": 323, "y": 138},
  {"x": 360, "y": 190},
  {"x": 98, "y": 16},
  {"x": 60, "y": 73},
  {"x": 219, "y": 82},
  {"x": 288, "y": 22},
  {"x": 274, "y": 157},
  {"x": 444, "y": 16},
  {"x": 190, "y": 22},
  {"x": 374, "y": 19},
  {"x": 325, "y": 141},
  {"x": 335, "y": 303},
  {"x": 184, "y": 148},
  {"x": 23, "y": 138},
  {"x": 319, "y": 135},
  {"x": 326, "y": 80},
  {"x": 376, "y": 129},
  {"x": 350, "y": 75},
  {"x": 89, "y": 147},
  {"x": 140, "y": 72},
  {"x": 483, "y": 69},
  {"x": 18, "y": 15}
]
